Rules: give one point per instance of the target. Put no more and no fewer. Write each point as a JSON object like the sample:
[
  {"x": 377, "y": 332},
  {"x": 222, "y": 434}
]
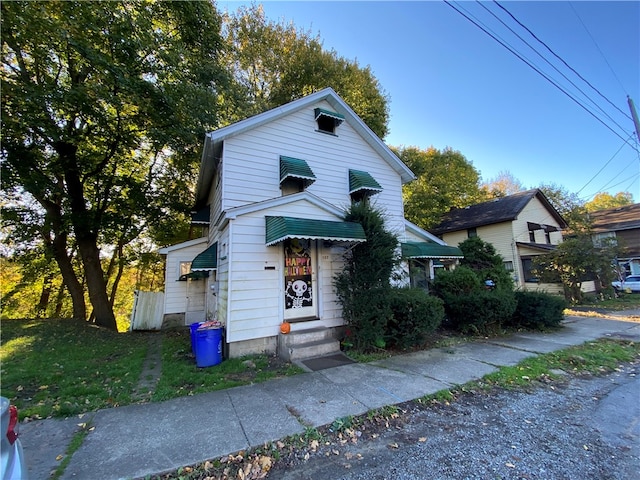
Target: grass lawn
[{"x": 58, "y": 368}]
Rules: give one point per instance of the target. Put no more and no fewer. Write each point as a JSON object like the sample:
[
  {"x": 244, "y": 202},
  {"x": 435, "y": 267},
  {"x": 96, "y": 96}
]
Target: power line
[
  {"x": 598, "y": 47},
  {"x": 548, "y": 62},
  {"x": 562, "y": 60},
  {"x": 481, "y": 27},
  {"x": 606, "y": 163}
]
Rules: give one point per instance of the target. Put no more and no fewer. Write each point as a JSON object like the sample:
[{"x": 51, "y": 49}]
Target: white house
[{"x": 276, "y": 187}]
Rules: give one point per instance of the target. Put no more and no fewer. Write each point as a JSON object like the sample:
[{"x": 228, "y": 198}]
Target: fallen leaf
[
  {"x": 422, "y": 439},
  {"x": 510, "y": 465},
  {"x": 393, "y": 445},
  {"x": 59, "y": 457}
]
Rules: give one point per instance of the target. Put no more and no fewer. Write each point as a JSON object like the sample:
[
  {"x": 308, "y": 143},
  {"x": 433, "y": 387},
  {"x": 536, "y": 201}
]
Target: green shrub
[
  {"x": 460, "y": 281},
  {"x": 480, "y": 311},
  {"x": 538, "y": 310},
  {"x": 367, "y": 313},
  {"x": 416, "y": 314}
]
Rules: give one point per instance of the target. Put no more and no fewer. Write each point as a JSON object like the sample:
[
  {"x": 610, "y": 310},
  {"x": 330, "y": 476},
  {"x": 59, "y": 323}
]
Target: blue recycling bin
[
  {"x": 194, "y": 327},
  {"x": 208, "y": 347}
]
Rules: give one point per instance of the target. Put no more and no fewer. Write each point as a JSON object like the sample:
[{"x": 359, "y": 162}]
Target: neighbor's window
[
  {"x": 527, "y": 270},
  {"x": 472, "y": 232},
  {"x": 508, "y": 266}
]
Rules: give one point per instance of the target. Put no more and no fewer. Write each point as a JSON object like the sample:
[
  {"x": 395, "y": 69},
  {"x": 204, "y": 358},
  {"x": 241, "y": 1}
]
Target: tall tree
[
  {"x": 445, "y": 179},
  {"x": 604, "y": 201},
  {"x": 100, "y": 101},
  {"x": 276, "y": 62},
  {"x": 502, "y": 185}
]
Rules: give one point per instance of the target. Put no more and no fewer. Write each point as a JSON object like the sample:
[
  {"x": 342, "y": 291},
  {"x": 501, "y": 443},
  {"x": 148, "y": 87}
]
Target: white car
[
  {"x": 629, "y": 284},
  {"x": 13, "y": 466}
]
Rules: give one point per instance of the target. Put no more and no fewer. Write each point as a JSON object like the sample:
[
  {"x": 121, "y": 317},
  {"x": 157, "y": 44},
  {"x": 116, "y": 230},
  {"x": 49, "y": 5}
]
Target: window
[
  {"x": 328, "y": 121},
  {"x": 527, "y": 271},
  {"x": 508, "y": 266},
  {"x": 532, "y": 236},
  {"x": 185, "y": 267},
  {"x": 472, "y": 232}
]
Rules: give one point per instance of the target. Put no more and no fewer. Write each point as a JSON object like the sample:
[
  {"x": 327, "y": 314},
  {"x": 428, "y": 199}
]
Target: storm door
[{"x": 300, "y": 291}]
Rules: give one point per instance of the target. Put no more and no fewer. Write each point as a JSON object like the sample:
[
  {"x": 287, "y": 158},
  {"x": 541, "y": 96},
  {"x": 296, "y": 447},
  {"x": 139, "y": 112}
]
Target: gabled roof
[
  {"x": 499, "y": 210},
  {"x": 214, "y": 140},
  {"x": 616, "y": 219},
  {"x": 180, "y": 246}
]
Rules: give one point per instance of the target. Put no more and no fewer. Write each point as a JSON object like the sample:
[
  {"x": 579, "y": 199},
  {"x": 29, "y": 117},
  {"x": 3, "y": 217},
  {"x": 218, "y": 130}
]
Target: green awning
[
  {"x": 282, "y": 228},
  {"x": 429, "y": 250},
  {"x": 321, "y": 112},
  {"x": 193, "y": 276},
  {"x": 207, "y": 260},
  {"x": 362, "y": 181},
  {"x": 296, "y": 168}
]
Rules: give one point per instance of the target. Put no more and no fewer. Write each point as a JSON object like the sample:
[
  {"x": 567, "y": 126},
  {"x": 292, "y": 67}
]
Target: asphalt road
[{"x": 583, "y": 428}]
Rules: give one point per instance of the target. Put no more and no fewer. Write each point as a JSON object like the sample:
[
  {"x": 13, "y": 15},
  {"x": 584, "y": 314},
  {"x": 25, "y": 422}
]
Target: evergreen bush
[
  {"x": 415, "y": 314},
  {"x": 480, "y": 311},
  {"x": 538, "y": 310},
  {"x": 363, "y": 286}
]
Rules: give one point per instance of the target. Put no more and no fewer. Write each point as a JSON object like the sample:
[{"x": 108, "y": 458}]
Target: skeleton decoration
[
  {"x": 298, "y": 274},
  {"x": 298, "y": 294}
]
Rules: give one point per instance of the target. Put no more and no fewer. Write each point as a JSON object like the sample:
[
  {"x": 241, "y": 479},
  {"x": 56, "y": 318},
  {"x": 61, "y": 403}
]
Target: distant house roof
[
  {"x": 616, "y": 219},
  {"x": 213, "y": 141},
  {"x": 499, "y": 210}
]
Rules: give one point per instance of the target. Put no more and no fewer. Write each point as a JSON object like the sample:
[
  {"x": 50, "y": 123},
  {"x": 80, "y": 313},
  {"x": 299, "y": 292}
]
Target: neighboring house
[
  {"x": 520, "y": 227},
  {"x": 276, "y": 187},
  {"x": 623, "y": 224}
]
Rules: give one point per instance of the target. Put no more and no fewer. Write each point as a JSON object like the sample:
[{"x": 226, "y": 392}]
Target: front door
[{"x": 300, "y": 292}]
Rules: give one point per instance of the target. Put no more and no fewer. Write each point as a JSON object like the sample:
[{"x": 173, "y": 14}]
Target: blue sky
[{"x": 452, "y": 85}]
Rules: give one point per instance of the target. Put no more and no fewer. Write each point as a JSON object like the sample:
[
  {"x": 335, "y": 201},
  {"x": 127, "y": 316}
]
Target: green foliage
[
  {"x": 605, "y": 201},
  {"x": 538, "y": 310},
  {"x": 445, "y": 179},
  {"x": 460, "y": 281},
  {"x": 275, "y": 63},
  {"x": 482, "y": 258},
  {"x": 104, "y": 107},
  {"x": 416, "y": 314},
  {"x": 363, "y": 286},
  {"x": 481, "y": 311},
  {"x": 576, "y": 260}
]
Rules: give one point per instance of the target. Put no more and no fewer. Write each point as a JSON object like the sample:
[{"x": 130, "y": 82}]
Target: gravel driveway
[{"x": 583, "y": 428}]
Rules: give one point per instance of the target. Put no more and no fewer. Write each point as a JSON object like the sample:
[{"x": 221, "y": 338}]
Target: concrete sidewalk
[{"x": 139, "y": 440}]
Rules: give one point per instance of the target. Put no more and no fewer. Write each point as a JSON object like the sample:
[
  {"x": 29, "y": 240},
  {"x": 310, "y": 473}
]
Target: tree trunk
[
  {"x": 45, "y": 294},
  {"x": 85, "y": 225},
  {"x": 69, "y": 277}
]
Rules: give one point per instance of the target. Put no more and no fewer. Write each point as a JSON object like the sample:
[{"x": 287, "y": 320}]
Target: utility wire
[
  {"x": 565, "y": 63},
  {"x": 538, "y": 71},
  {"x": 551, "y": 64},
  {"x": 598, "y": 47},
  {"x": 604, "y": 166}
]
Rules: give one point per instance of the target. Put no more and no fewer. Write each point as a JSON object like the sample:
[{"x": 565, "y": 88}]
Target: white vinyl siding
[
  {"x": 251, "y": 164},
  {"x": 255, "y": 306},
  {"x": 176, "y": 292}
]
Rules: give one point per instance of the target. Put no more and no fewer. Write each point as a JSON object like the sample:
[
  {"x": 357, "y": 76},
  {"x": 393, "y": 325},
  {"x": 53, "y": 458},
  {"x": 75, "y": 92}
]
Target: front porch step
[{"x": 304, "y": 344}]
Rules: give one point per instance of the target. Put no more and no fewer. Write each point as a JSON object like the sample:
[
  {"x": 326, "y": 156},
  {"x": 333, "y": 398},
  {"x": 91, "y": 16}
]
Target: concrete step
[{"x": 305, "y": 344}]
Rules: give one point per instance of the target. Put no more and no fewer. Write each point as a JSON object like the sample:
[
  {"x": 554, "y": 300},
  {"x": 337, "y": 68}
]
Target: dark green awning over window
[
  {"x": 207, "y": 260},
  {"x": 282, "y": 228},
  {"x": 321, "y": 112},
  {"x": 296, "y": 168},
  {"x": 429, "y": 250},
  {"x": 360, "y": 181}
]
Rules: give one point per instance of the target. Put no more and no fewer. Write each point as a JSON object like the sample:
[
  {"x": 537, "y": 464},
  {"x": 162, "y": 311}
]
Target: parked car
[
  {"x": 13, "y": 466},
  {"x": 631, "y": 283}
]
